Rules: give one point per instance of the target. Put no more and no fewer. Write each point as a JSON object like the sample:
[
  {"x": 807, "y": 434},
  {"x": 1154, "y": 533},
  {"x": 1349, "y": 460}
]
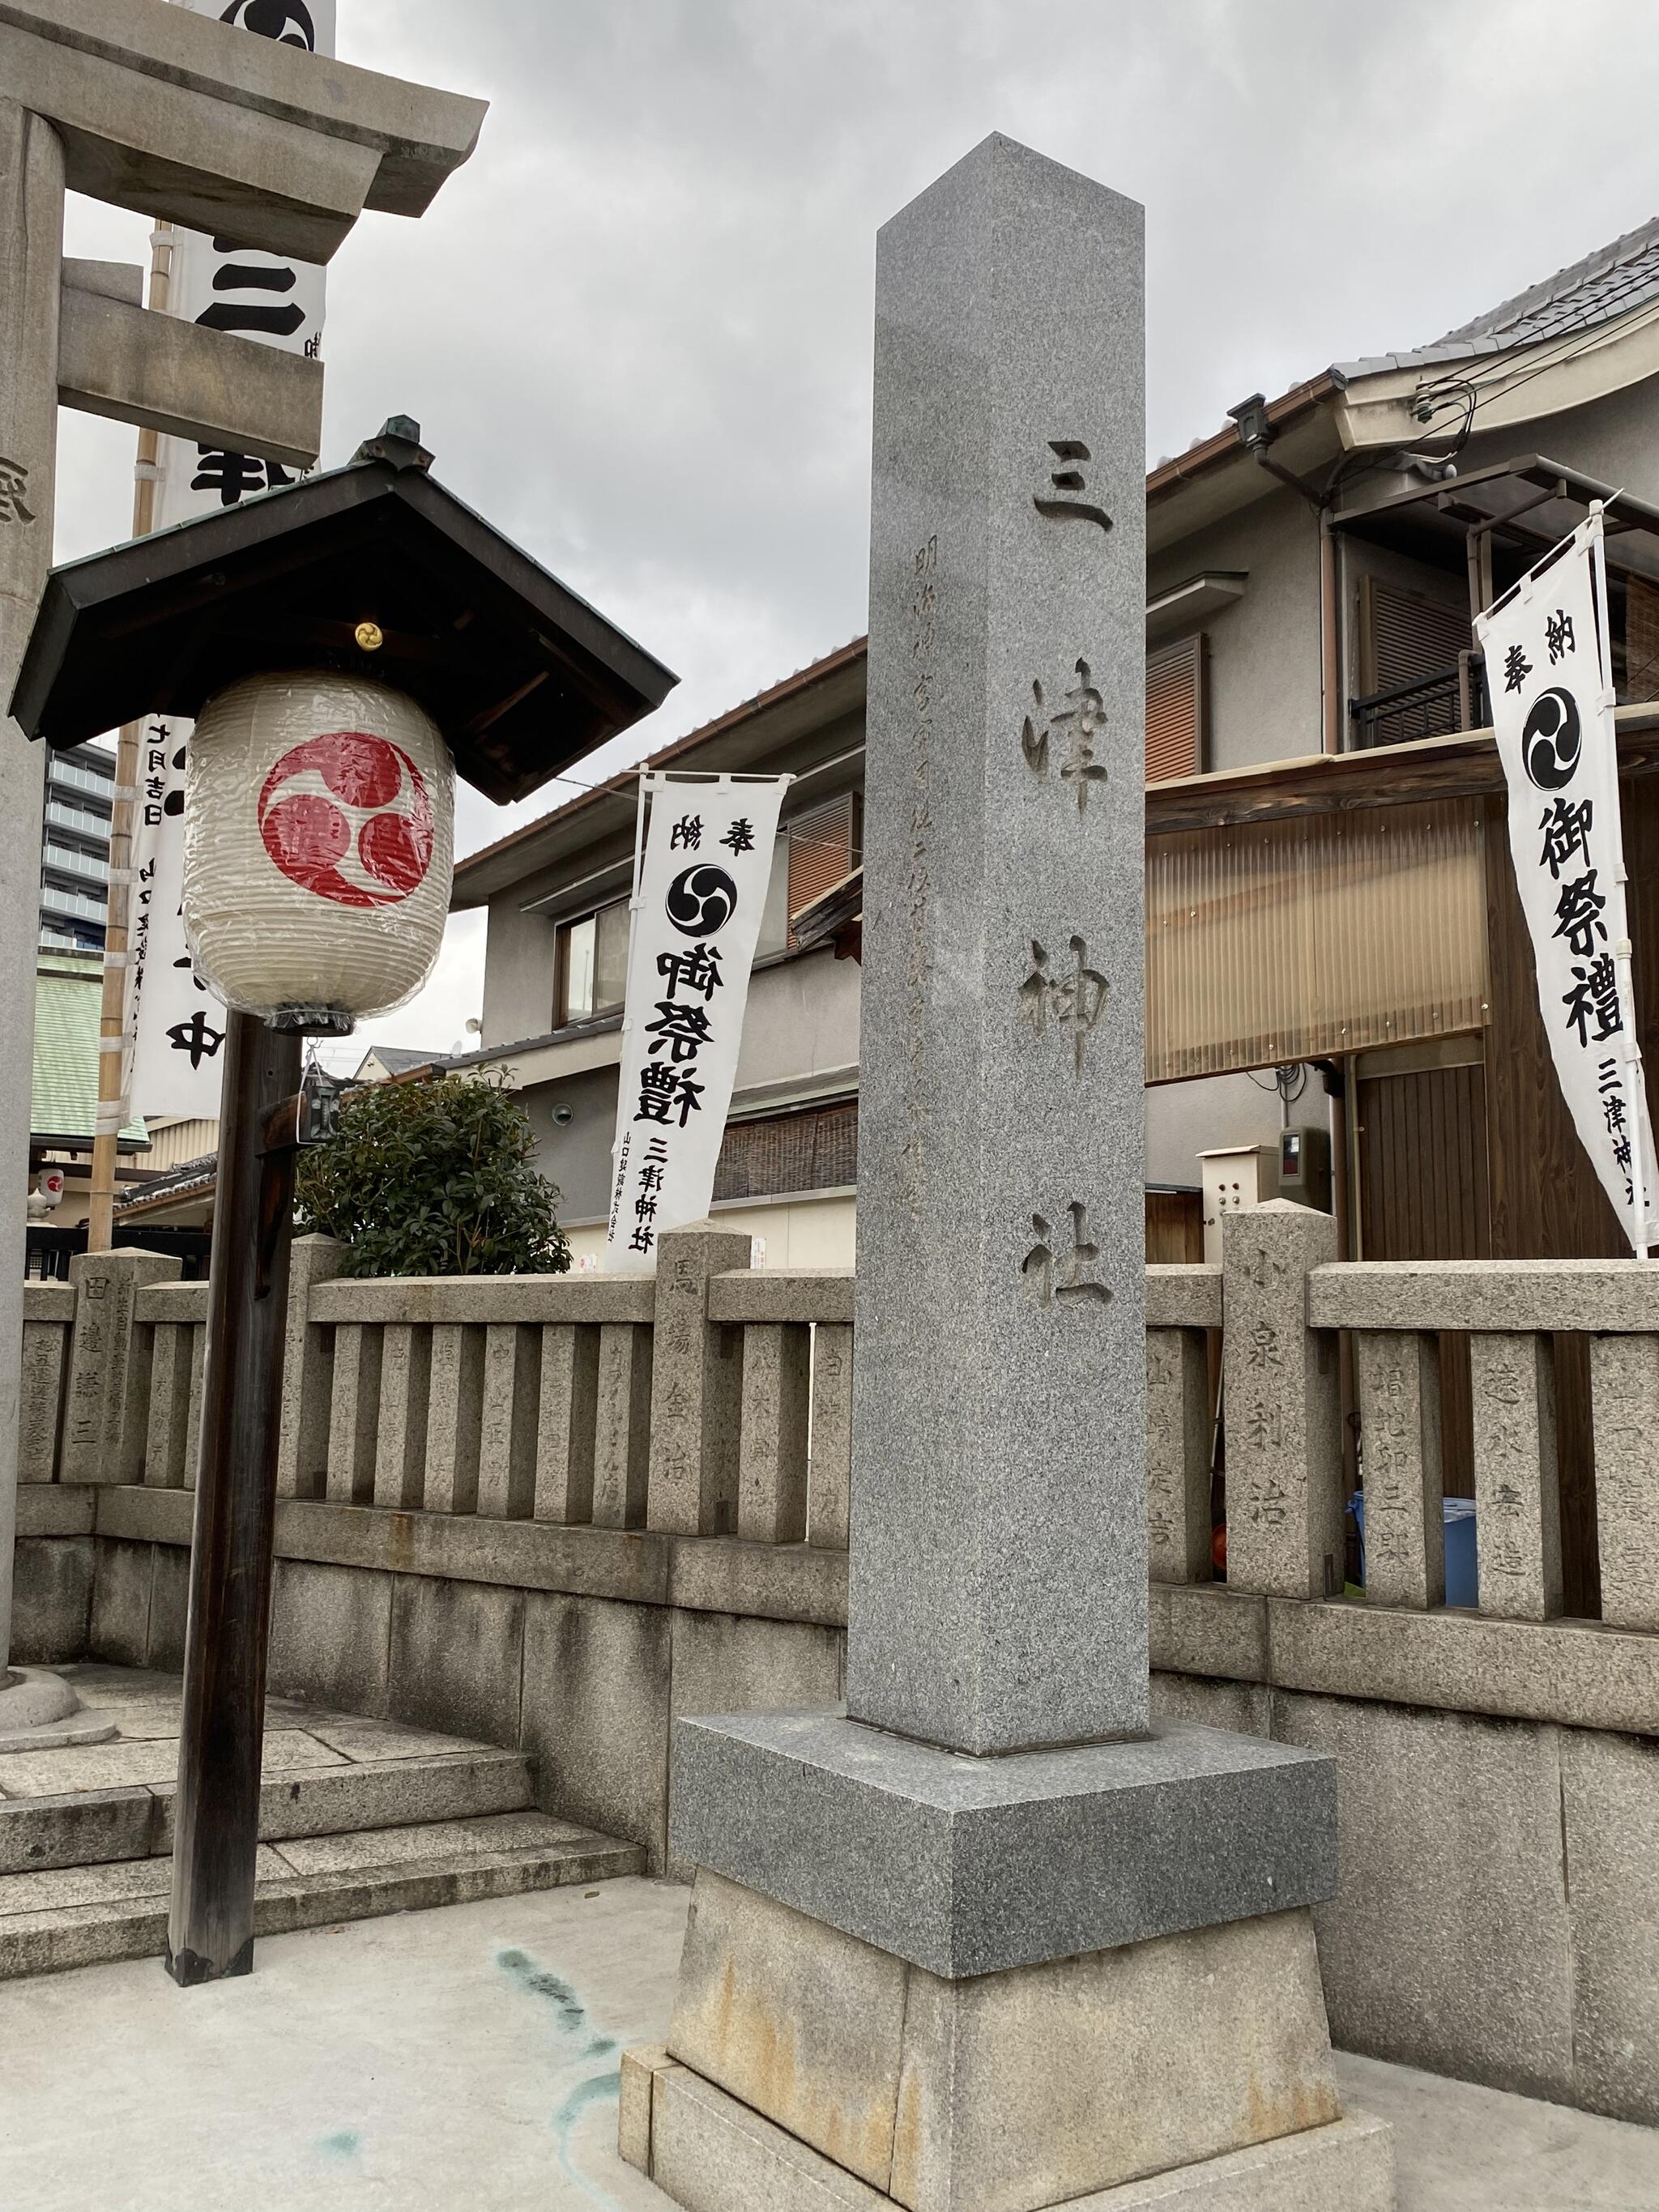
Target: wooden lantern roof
[{"x": 521, "y": 675}]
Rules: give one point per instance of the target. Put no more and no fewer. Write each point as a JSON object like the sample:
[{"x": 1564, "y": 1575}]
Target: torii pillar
[{"x": 186, "y": 120}]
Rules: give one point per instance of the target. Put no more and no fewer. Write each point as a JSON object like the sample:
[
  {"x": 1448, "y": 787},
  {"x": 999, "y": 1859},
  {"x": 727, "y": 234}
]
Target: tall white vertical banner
[
  {"x": 699, "y": 892},
  {"x": 175, "y": 1026},
  {"x": 1549, "y": 673}
]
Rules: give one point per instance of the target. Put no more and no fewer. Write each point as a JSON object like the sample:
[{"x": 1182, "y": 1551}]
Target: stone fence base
[{"x": 1498, "y": 1912}]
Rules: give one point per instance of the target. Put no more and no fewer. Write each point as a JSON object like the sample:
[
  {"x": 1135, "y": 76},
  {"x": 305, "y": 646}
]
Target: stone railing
[
  {"x": 716, "y": 1401},
  {"x": 559, "y": 1512},
  {"x": 1512, "y": 1313}
]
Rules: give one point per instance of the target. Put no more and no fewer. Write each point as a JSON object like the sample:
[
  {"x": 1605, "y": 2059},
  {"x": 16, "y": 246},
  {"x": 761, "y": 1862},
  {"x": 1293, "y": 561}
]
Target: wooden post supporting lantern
[{"x": 345, "y": 646}]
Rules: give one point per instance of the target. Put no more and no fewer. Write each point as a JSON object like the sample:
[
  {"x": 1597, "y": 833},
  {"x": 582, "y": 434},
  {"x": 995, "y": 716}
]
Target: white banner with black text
[
  {"x": 175, "y": 1025},
  {"x": 1549, "y": 673},
  {"x": 699, "y": 892}
]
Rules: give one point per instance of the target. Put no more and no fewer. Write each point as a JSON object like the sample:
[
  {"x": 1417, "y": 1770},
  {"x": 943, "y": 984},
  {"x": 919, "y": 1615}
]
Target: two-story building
[{"x": 1332, "y": 933}]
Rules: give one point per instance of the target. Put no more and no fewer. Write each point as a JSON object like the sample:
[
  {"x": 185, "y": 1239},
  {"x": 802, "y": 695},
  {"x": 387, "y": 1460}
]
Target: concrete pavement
[{"x": 467, "y": 2058}]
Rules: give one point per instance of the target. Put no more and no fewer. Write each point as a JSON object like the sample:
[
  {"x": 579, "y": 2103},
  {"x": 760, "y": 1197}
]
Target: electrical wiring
[{"x": 1575, "y": 337}]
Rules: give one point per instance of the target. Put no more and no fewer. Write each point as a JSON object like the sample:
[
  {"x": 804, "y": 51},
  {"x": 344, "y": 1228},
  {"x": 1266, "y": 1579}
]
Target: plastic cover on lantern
[{"x": 319, "y": 846}]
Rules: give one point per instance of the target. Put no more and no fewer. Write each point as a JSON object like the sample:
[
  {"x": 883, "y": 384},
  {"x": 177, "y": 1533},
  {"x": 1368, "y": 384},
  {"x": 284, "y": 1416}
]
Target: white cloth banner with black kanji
[
  {"x": 698, "y": 898},
  {"x": 1549, "y": 674},
  {"x": 175, "y": 1025}
]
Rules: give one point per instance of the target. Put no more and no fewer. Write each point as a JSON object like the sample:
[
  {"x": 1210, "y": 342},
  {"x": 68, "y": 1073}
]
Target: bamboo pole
[{"x": 112, "y": 1068}]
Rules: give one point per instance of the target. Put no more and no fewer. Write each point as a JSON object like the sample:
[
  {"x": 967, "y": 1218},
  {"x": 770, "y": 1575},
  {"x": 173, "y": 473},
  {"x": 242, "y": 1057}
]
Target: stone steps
[
  {"x": 133, "y": 1820},
  {"x": 84, "y": 1914}
]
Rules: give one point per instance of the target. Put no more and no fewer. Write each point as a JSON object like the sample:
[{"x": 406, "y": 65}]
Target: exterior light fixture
[
  {"x": 319, "y": 802},
  {"x": 319, "y": 847}
]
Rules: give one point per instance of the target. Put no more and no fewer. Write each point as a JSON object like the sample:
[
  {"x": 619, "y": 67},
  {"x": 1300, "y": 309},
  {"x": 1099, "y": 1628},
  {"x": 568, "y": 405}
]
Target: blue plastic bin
[{"x": 1462, "y": 1580}]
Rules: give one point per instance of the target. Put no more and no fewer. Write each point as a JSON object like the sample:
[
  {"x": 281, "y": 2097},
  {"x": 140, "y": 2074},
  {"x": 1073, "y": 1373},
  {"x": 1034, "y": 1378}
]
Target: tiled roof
[
  {"x": 1615, "y": 281},
  {"x": 398, "y": 1059},
  {"x": 68, "y": 998},
  {"x": 178, "y": 1181}
]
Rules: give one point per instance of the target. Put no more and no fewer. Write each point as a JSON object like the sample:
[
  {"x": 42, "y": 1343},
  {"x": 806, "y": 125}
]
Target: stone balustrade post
[
  {"x": 1281, "y": 1407},
  {"x": 1625, "y": 1403},
  {"x": 1178, "y": 1536},
  {"x": 454, "y": 1418},
  {"x": 696, "y": 1386},
  {"x": 621, "y": 1461},
  {"x": 567, "y": 1415},
  {"x": 307, "y": 1373},
  {"x": 400, "y": 1427},
  {"x": 508, "y": 1422},
  {"x": 772, "y": 1452},
  {"x": 1399, "y": 1378},
  {"x": 167, "y": 1426},
  {"x": 1517, "y": 1522},
  {"x": 98, "y": 1404},
  {"x": 48, "y": 1316},
  {"x": 354, "y": 1414},
  {"x": 830, "y": 1474}
]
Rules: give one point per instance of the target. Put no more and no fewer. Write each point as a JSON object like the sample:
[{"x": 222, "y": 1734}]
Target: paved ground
[
  {"x": 465, "y": 2060},
  {"x": 144, "y": 1707}
]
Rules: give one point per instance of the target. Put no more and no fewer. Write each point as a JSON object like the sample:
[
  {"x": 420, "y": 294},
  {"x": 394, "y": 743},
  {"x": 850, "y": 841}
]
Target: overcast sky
[{"x": 636, "y": 328}]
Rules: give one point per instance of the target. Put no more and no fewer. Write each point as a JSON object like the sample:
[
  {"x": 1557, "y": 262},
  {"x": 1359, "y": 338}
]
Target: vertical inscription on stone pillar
[{"x": 923, "y": 599}]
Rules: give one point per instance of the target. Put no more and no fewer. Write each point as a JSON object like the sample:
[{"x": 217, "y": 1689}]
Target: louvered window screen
[
  {"x": 813, "y": 1151},
  {"x": 824, "y": 846},
  {"x": 1641, "y": 641},
  {"x": 1408, "y": 637},
  {"x": 1175, "y": 710}
]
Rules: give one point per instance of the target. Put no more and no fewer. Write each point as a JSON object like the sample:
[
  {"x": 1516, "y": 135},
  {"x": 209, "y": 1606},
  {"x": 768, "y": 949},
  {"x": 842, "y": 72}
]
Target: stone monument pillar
[{"x": 989, "y": 1941}]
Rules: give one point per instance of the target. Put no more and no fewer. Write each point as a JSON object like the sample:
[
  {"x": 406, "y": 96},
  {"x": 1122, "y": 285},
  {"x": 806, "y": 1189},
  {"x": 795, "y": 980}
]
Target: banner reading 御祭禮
[
  {"x": 700, "y": 888},
  {"x": 174, "y": 1025},
  {"x": 1549, "y": 674}
]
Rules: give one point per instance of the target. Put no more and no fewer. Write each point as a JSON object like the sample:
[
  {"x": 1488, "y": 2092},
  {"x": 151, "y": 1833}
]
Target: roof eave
[
  {"x": 839, "y": 680},
  {"x": 1375, "y": 406}
]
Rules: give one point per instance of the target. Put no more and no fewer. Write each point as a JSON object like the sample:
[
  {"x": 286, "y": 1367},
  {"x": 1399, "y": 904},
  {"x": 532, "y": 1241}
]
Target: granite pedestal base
[
  {"x": 710, "y": 2153},
  {"x": 805, "y": 2068},
  {"x": 958, "y": 1984},
  {"x": 974, "y": 1866}
]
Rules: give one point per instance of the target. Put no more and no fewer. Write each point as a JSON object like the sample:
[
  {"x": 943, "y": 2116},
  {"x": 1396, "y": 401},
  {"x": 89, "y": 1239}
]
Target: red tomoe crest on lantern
[{"x": 347, "y": 817}]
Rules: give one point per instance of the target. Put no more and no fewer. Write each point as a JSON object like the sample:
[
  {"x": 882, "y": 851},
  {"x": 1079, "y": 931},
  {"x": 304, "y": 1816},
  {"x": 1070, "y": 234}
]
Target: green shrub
[{"x": 433, "y": 1178}]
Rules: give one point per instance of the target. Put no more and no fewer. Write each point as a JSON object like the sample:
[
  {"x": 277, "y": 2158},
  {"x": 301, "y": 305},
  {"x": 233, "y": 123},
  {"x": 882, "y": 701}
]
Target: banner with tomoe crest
[
  {"x": 698, "y": 891},
  {"x": 1549, "y": 674}
]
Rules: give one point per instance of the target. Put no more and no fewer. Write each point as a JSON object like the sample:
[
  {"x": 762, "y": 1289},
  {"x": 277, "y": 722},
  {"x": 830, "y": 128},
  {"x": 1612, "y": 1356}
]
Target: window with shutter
[
  {"x": 1407, "y": 637},
  {"x": 1414, "y": 664},
  {"x": 1641, "y": 641},
  {"x": 816, "y": 1149},
  {"x": 824, "y": 846},
  {"x": 1176, "y": 710}
]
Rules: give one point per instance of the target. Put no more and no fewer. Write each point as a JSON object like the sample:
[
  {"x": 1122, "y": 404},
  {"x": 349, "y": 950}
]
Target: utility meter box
[
  {"x": 1234, "y": 1179},
  {"x": 1304, "y": 1167}
]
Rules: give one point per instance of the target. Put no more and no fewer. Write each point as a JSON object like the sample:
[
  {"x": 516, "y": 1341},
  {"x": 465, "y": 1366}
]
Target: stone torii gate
[{"x": 187, "y": 121}]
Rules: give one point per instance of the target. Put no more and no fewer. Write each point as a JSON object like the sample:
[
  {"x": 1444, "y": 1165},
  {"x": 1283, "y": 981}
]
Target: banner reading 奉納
[
  {"x": 699, "y": 892},
  {"x": 1549, "y": 674},
  {"x": 174, "y": 1025}
]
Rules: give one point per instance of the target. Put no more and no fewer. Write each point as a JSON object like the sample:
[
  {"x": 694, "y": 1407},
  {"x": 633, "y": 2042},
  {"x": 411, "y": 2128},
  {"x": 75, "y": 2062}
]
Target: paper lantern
[{"x": 319, "y": 847}]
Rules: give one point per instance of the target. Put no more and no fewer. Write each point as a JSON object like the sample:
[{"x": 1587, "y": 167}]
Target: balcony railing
[
  {"x": 70, "y": 863},
  {"x": 64, "y": 776},
  {"x": 1436, "y": 706},
  {"x": 52, "y": 901},
  {"x": 76, "y": 818}
]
